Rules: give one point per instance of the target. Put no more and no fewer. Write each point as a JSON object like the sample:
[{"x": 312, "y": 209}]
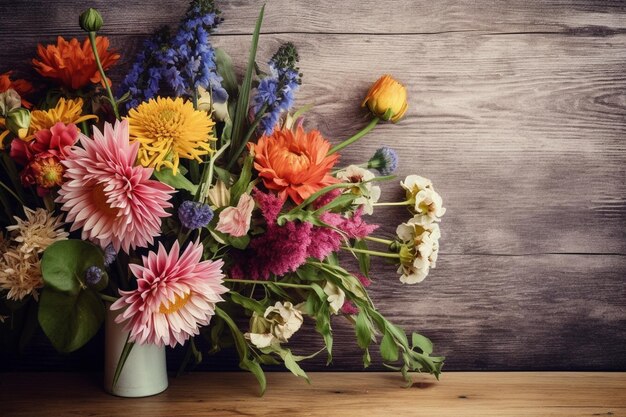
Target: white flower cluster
[{"x": 419, "y": 237}]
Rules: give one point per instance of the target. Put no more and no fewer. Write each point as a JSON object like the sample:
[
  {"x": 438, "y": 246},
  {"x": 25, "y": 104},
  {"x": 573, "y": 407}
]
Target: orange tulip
[
  {"x": 387, "y": 99},
  {"x": 294, "y": 164},
  {"x": 73, "y": 65}
]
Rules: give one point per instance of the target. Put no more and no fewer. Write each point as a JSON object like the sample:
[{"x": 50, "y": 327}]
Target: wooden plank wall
[{"x": 518, "y": 115}]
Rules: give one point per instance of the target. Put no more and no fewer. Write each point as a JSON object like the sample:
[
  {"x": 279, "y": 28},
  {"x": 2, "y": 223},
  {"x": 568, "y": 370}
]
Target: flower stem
[
  {"x": 281, "y": 284},
  {"x": 3, "y": 185},
  {"x": 108, "y": 298},
  {"x": 92, "y": 40},
  {"x": 393, "y": 203},
  {"x": 379, "y": 240},
  {"x": 356, "y": 137},
  {"x": 372, "y": 252}
]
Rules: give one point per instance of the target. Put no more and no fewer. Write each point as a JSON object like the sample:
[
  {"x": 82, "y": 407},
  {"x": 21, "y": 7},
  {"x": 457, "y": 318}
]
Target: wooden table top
[{"x": 484, "y": 394}]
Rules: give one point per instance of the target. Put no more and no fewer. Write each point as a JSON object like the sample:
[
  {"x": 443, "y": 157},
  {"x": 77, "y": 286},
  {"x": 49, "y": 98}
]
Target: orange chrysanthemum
[
  {"x": 21, "y": 87},
  {"x": 294, "y": 164},
  {"x": 73, "y": 65}
]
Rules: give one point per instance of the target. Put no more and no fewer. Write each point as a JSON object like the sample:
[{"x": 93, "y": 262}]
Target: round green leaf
[
  {"x": 64, "y": 264},
  {"x": 70, "y": 320}
]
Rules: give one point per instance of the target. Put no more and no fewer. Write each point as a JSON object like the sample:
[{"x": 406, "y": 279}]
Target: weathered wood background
[{"x": 518, "y": 115}]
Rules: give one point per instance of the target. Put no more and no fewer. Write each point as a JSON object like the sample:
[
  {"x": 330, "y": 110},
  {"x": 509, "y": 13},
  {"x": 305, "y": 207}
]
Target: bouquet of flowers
[{"x": 190, "y": 200}]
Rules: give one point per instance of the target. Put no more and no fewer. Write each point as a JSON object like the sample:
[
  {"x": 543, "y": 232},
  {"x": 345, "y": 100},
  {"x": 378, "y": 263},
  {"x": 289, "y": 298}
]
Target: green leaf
[
  {"x": 244, "y": 93},
  {"x": 179, "y": 181},
  {"x": 242, "y": 349},
  {"x": 388, "y": 348},
  {"x": 70, "y": 320},
  {"x": 292, "y": 364},
  {"x": 367, "y": 359},
  {"x": 423, "y": 343},
  {"x": 242, "y": 183},
  {"x": 363, "y": 330},
  {"x": 225, "y": 68},
  {"x": 343, "y": 201},
  {"x": 247, "y": 303},
  {"x": 364, "y": 258},
  {"x": 124, "y": 354},
  {"x": 64, "y": 264},
  {"x": 256, "y": 370}
]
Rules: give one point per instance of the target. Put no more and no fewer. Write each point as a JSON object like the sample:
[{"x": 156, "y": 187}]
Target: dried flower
[
  {"x": 37, "y": 231},
  {"x": 278, "y": 324},
  {"x": 20, "y": 274}
]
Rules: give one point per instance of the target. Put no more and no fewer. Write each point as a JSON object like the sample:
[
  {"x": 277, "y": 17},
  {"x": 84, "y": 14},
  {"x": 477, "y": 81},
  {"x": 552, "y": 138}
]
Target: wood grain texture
[
  {"x": 470, "y": 394},
  {"x": 518, "y": 115}
]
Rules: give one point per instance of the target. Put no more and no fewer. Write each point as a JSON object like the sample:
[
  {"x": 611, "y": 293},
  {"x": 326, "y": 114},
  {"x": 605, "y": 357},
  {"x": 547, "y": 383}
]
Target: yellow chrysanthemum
[
  {"x": 168, "y": 130},
  {"x": 66, "y": 111}
]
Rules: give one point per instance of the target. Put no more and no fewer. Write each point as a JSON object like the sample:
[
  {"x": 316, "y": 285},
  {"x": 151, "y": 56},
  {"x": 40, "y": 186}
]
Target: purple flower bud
[
  {"x": 194, "y": 215},
  {"x": 93, "y": 275},
  {"x": 385, "y": 161}
]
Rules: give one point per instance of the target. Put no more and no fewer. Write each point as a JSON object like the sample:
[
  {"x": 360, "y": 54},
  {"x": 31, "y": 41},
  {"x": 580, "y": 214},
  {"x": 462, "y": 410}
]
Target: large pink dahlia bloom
[
  {"x": 105, "y": 194},
  {"x": 176, "y": 294}
]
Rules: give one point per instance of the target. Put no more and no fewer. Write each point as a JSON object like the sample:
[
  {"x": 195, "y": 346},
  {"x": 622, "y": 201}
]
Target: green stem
[
  {"x": 398, "y": 203},
  {"x": 108, "y": 298},
  {"x": 246, "y": 139},
  {"x": 10, "y": 191},
  {"x": 372, "y": 252},
  {"x": 194, "y": 98},
  {"x": 207, "y": 174},
  {"x": 92, "y": 40},
  {"x": 356, "y": 137},
  {"x": 379, "y": 240},
  {"x": 281, "y": 284}
]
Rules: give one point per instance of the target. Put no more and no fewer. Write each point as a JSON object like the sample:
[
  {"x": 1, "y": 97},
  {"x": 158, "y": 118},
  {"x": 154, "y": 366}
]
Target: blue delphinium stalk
[
  {"x": 190, "y": 60},
  {"x": 194, "y": 215},
  {"x": 277, "y": 90},
  {"x": 385, "y": 160},
  {"x": 143, "y": 80}
]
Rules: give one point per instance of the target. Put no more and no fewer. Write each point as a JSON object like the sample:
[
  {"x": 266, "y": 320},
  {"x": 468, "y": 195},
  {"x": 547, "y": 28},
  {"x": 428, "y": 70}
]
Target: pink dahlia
[
  {"x": 176, "y": 294},
  {"x": 105, "y": 194}
]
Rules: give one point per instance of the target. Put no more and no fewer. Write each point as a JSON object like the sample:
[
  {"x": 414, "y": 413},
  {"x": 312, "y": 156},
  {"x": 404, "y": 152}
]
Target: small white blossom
[
  {"x": 418, "y": 251},
  {"x": 336, "y": 297},
  {"x": 355, "y": 174}
]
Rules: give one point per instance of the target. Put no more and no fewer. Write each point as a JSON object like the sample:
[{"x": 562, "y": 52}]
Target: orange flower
[
  {"x": 73, "y": 65},
  {"x": 21, "y": 87},
  {"x": 295, "y": 164}
]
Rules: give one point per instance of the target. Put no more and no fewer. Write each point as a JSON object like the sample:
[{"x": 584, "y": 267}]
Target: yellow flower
[
  {"x": 168, "y": 130},
  {"x": 387, "y": 99},
  {"x": 66, "y": 111}
]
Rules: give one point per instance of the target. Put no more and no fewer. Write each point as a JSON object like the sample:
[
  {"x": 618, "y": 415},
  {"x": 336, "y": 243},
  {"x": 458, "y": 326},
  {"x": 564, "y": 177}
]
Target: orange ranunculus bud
[{"x": 387, "y": 99}]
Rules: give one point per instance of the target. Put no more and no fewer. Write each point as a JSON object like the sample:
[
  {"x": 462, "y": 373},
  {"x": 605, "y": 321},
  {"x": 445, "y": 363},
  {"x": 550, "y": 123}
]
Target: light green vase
[{"x": 145, "y": 370}]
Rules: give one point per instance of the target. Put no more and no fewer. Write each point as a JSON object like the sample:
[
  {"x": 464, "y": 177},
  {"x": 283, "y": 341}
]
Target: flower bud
[
  {"x": 18, "y": 121},
  {"x": 90, "y": 20},
  {"x": 9, "y": 100},
  {"x": 96, "y": 278},
  {"x": 387, "y": 99}
]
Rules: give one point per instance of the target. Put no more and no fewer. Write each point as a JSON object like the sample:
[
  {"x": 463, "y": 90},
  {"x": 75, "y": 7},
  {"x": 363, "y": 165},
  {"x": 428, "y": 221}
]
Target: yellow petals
[
  {"x": 169, "y": 129},
  {"x": 387, "y": 99},
  {"x": 66, "y": 111}
]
